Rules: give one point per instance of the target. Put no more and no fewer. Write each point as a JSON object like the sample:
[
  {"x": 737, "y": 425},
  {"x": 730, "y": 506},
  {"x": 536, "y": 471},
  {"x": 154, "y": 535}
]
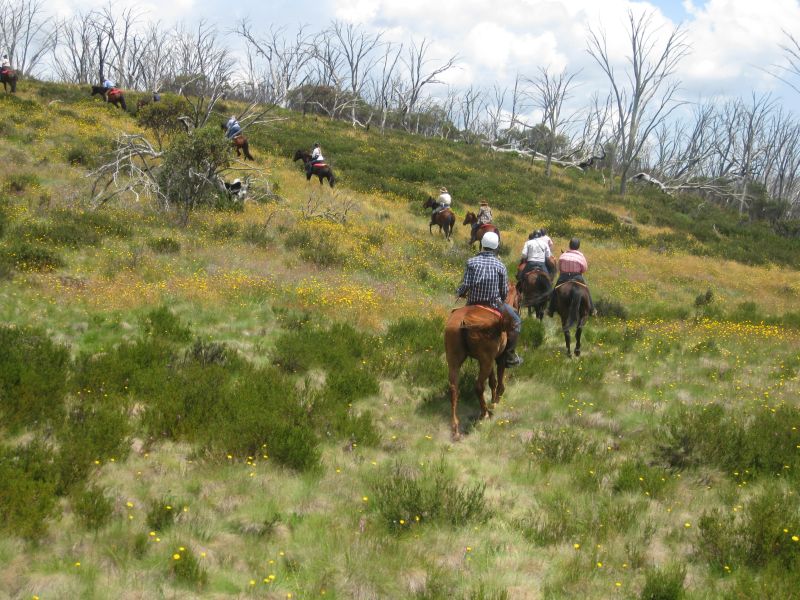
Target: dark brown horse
[
  {"x": 321, "y": 170},
  {"x": 114, "y": 95},
  {"x": 535, "y": 288},
  {"x": 445, "y": 219},
  {"x": 477, "y": 332},
  {"x": 573, "y": 306},
  {"x": 477, "y": 234},
  {"x": 240, "y": 144},
  {"x": 9, "y": 78}
]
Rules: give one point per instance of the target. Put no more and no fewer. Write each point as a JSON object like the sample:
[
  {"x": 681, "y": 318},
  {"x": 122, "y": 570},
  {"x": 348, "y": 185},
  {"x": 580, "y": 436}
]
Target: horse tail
[
  {"x": 575, "y": 298},
  {"x": 246, "y": 150},
  {"x": 331, "y": 178}
]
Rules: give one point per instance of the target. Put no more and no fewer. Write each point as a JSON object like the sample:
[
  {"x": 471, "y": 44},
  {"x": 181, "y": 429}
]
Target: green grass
[{"x": 280, "y": 383}]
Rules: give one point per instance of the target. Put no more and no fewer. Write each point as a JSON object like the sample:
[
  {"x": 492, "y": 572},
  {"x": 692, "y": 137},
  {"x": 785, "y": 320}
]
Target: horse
[
  {"x": 477, "y": 234},
  {"x": 114, "y": 95},
  {"x": 240, "y": 144},
  {"x": 478, "y": 332},
  {"x": 9, "y": 77},
  {"x": 321, "y": 170},
  {"x": 445, "y": 219},
  {"x": 572, "y": 305},
  {"x": 535, "y": 288}
]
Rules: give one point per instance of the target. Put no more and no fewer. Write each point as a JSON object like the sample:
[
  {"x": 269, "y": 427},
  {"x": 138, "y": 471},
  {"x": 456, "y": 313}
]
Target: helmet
[
  {"x": 490, "y": 240},
  {"x": 316, "y": 144}
]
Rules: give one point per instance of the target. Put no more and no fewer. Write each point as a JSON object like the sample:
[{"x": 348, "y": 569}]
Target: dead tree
[
  {"x": 358, "y": 49},
  {"x": 552, "y": 90},
  {"x": 645, "y": 97},
  {"x": 27, "y": 34},
  {"x": 418, "y": 75}
]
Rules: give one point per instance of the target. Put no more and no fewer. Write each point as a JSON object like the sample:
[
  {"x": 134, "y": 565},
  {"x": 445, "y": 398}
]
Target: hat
[
  {"x": 484, "y": 203},
  {"x": 490, "y": 240},
  {"x": 443, "y": 190}
]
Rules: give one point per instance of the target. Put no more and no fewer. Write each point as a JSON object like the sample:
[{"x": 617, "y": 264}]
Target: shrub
[
  {"x": 161, "y": 513},
  {"x": 27, "y": 490},
  {"x": 225, "y": 230},
  {"x": 635, "y": 476},
  {"x": 258, "y": 235},
  {"x": 33, "y": 377},
  {"x": 102, "y": 223},
  {"x": 164, "y": 245},
  {"x": 19, "y": 182},
  {"x": 186, "y": 568},
  {"x": 413, "y": 350},
  {"x": 416, "y": 495},
  {"x": 532, "y": 335},
  {"x": 62, "y": 233},
  {"x": 313, "y": 247},
  {"x": 162, "y": 323},
  {"x": 92, "y": 507},
  {"x": 664, "y": 584},
  {"x": 30, "y": 257},
  {"x": 559, "y": 444},
  {"x": 610, "y": 308}
]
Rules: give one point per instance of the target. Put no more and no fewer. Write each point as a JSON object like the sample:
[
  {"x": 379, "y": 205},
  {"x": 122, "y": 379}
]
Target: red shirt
[{"x": 572, "y": 261}]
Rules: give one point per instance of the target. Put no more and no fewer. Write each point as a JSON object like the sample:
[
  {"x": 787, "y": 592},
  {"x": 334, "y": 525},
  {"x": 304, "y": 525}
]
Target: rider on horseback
[
  {"x": 572, "y": 265},
  {"x": 232, "y": 128},
  {"x": 484, "y": 216},
  {"x": 535, "y": 253},
  {"x": 443, "y": 201},
  {"x": 316, "y": 157},
  {"x": 486, "y": 282},
  {"x": 5, "y": 64}
]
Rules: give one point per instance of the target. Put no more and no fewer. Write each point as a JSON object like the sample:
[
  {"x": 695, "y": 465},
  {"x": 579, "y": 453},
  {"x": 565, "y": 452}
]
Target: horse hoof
[
  {"x": 456, "y": 436},
  {"x": 577, "y": 352}
]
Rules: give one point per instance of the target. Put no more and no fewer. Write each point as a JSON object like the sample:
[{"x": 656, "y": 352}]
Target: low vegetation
[{"x": 253, "y": 401}]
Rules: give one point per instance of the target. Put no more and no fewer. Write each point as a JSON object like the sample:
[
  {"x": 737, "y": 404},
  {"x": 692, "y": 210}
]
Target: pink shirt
[{"x": 572, "y": 261}]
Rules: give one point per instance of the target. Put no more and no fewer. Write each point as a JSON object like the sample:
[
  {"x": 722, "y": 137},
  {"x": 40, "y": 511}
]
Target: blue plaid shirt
[{"x": 485, "y": 280}]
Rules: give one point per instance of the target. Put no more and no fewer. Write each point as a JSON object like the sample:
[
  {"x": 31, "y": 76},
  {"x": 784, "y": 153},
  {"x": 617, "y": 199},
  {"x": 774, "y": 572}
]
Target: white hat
[
  {"x": 443, "y": 190},
  {"x": 490, "y": 240}
]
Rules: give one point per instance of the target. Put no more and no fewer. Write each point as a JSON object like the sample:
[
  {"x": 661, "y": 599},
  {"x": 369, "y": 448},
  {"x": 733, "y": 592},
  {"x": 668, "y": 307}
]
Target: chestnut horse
[
  {"x": 477, "y": 234},
  {"x": 572, "y": 305},
  {"x": 240, "y": 144},
  {"x": 535, "y": 288},
  {"x": 480, "y": 333},
  {"x": 9, "y": 77},
  {"x": 445, "y": 219},
  {"x": 321, "y": 170},
  {"x": 114, "y": 95}
]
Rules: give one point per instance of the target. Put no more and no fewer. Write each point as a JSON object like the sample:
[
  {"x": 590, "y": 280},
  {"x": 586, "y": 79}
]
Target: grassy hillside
[{"x": 254, "y": 405}]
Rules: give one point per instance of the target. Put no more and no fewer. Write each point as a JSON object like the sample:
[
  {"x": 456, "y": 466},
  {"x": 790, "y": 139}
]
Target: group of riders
[{"x": 485, "y": 280}]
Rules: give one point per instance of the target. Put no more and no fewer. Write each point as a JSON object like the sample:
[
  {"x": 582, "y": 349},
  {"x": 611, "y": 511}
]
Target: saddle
[
  {"x": 485, "y": 227},
  {"x": 319, "y": 164},
  {"x": 479, "y": 318},
  {"x": 5, "y": 71},
  {"x": 114, "y": 93}
]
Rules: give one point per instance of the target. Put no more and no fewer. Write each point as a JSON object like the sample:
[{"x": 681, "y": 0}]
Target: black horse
[
  {"x": 9, "y": 78},
  {"x": 114, "y": 95},
  {"x": 321, "y": 170}
]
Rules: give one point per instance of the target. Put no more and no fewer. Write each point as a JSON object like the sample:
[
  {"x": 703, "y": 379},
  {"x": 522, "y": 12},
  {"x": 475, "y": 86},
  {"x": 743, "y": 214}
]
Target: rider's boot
[{"x": 512, "y": 359}]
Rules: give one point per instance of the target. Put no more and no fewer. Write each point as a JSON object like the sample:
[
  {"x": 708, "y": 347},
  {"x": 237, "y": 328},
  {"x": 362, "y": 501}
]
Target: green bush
[
  {"x": 258, "y": 235},
  {"x": 664, "y": 584},
  {"x": 610, "y": 308},
  {"x": 59, "y": 233},
  {"x": 161, "y": 513},
  {"x": 27, "y": 490},
  {"x": 416, "y": 495},
  {"x": 634, "y": 475},
  {"x": 315, "y": 248},
  {"x": 559, "y": 445},
  {"x": 412, "y": 350},
  {"x": 186, "y": 568},
  {"x": 19, "y": 182},
  {"x": 92, "y": 507},
  {"x": 225, "y": 230},
  {"x": 33, "y": 378},
  {"x": 532, "y": 335},
  {"x": 163, "y": 324},
  {"x": 760, "y": 536},
  {"x": 30, "y": 257},
  {"x": 164, "y": 245}
]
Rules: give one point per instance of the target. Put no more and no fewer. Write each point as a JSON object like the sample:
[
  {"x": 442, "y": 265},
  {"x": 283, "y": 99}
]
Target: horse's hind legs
[
  {"x": 567, "y": 340},
  {"x": 453, "y": 381},
  {"x": 578, "y": 332}
]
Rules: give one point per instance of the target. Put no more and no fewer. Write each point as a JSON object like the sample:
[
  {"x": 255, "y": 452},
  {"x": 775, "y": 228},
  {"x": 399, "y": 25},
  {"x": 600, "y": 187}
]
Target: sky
[{"x": 733, "y": 42}]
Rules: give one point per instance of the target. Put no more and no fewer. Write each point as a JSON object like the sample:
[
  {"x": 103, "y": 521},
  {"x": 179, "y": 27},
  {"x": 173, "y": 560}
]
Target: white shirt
[
  {"x": 444, "y": 199},
  {"x": 536, "y": 250},
  {"x": 316, "y": 155}
]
